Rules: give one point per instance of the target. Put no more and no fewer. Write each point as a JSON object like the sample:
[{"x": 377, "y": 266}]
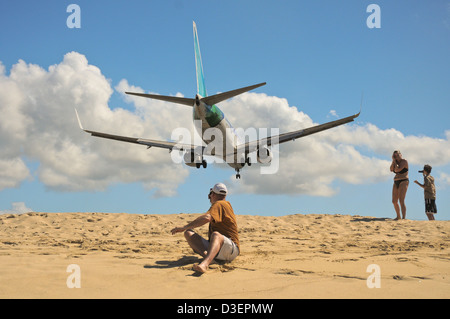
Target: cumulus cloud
[
  {"x": 443, "y": 180},
  {"x": 12, "y": 172},
  {"x": 332, "y": 113},
  {"x": 38, "y": 123},
  {"x": 17, "y": 208},
  {"x": 355, "y": 154}
]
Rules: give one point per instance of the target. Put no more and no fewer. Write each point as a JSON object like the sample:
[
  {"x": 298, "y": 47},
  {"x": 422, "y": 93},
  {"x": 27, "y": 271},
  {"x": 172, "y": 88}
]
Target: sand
[{"x": 293, "y": 256}]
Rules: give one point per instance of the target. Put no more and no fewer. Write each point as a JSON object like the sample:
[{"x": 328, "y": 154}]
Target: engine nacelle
[
  {"x": 264, "y": 155},
  {"x": 192, "y": 159}
]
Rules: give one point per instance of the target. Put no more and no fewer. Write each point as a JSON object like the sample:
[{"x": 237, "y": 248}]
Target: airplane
[{"x": 233, "y": 151}]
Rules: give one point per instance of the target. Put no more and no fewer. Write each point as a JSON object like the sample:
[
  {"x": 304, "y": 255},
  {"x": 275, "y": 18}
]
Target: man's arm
[{"x": 200, "y": 221}]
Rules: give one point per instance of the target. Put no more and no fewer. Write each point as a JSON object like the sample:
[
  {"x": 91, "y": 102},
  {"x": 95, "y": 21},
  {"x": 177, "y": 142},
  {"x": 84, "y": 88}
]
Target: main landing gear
[
  {"x": 238, "y": 176},
  {"x": 203, "y": 163}
]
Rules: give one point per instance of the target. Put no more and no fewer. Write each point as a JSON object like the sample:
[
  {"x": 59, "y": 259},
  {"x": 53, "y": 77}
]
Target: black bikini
[{"x": 398, "y": 182}]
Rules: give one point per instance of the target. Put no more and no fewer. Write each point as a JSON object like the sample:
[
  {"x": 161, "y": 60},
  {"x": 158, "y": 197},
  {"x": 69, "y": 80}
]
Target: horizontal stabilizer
[
  {"x": 213, "y": 99},
  {"x": 173, "y": 99}
]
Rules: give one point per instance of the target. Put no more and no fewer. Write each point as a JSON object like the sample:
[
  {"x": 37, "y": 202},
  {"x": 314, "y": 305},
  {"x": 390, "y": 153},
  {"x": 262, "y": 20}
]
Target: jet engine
[{"x": 264, "y": 155}]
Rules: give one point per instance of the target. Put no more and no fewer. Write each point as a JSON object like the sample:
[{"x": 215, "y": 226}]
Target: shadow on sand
[
  {"x": 369, "y": 219},
  {"x": 165, "y": 264},
  {"x": 183, "y": 261}
]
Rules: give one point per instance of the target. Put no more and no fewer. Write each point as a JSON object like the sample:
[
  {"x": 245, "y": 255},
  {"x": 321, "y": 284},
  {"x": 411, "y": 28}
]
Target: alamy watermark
[
  {"x": 374, "y": 279},
  {"x": 374, "y": 19},
  {"x": 253, "y": 146},
  {"x": 74, "y": 19},
  {"x": 74, "y": 279}
]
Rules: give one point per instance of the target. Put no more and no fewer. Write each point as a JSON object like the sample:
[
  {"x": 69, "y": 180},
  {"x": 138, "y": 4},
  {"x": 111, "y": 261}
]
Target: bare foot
[{"x": 199, "y": 268}]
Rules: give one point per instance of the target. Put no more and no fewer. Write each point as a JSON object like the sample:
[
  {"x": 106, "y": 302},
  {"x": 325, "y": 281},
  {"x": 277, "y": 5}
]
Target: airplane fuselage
[{"x": 216, "y": 131}]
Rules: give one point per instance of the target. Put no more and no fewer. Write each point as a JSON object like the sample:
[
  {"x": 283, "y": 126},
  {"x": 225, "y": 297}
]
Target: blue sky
[{"x": 318, "y": 55}]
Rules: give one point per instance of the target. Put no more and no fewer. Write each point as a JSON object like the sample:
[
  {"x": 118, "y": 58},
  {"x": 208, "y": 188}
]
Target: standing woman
[{"x": 400, "y": 168}]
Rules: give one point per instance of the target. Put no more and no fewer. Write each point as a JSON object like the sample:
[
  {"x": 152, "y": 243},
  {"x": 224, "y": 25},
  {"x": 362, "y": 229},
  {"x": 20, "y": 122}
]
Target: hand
[
  {"x": 416, "y": 182},
  {"x": 177, "y": 230}
]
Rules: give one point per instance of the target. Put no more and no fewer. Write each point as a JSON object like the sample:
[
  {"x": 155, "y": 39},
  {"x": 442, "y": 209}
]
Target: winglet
[{"x": 79, "y": 122}]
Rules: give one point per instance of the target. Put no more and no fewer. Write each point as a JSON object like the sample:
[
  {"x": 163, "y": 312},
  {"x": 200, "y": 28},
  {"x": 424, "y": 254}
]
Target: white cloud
[
  {"x": 17, "y": 208},
  {"x": 332, "y": 113},
  {"x": 443, "y": 180},
  {"x": 351, "y": 153},
  {"x": 38, "y": 123},
  {"x": 12, "y": 172}
]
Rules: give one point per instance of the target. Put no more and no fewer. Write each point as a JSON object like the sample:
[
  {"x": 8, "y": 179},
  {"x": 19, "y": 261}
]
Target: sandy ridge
[{"x": 292, "y": 256}]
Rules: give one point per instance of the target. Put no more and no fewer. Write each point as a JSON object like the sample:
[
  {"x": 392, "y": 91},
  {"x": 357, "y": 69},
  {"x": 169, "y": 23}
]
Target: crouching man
[{"x": 223, "y": 238}]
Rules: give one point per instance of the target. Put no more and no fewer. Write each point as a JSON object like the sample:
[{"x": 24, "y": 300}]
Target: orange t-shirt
[{"x": 224, "y": 221}]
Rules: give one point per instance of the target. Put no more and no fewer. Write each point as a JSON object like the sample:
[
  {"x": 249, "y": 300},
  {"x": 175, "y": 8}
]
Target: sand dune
[{"x": 293, "y": 256}]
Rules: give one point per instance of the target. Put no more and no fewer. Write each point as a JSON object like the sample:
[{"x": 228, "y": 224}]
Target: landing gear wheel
[
  {"x": 238, "y": 176},
  {"x": 204, "y": 164},
  {"x": 247, "y": 160}
]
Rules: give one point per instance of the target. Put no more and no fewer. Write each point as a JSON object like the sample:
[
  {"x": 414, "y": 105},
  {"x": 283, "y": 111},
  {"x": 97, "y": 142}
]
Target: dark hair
[{"x": 220, "y": 196}]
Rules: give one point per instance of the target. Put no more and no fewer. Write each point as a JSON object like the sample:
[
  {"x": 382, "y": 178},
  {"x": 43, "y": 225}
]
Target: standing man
[{"x": 223, "y": 238}]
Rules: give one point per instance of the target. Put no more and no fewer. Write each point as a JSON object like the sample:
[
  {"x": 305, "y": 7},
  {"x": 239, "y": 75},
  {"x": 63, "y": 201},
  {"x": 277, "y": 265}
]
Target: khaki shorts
[{"x": 229, "y": 250}]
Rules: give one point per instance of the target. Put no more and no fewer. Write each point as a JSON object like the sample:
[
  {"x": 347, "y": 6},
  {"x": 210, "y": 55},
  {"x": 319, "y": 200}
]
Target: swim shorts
[{"x": 430, "y": 206}]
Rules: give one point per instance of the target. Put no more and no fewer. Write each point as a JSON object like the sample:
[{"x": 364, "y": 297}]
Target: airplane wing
[
  {"x": 142, "y": 141},
  {"x": 253, "y": 146}
]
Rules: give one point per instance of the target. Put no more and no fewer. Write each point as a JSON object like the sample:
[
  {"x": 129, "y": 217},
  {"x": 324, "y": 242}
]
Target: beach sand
[{"x": 292, "y": 256}]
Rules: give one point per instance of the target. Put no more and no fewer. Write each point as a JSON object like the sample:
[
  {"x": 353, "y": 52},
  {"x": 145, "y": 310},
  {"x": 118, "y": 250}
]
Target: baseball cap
[
  {"x": 220, "y": 189},
  {"x": 426, "y": 168}
]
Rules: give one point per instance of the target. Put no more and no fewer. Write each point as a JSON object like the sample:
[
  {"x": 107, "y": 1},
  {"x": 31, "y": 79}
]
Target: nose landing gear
[{"x": 247, "y": 161}]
